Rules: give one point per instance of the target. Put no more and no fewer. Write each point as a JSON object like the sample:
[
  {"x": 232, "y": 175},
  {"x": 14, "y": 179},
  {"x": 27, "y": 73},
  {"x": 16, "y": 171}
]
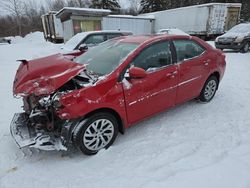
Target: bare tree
[
  {"x": 135, "y": 6},
  {"x": 78, "y": 3},
  {"x": 55, "y": 5},
  {"x": 32, "y": 16},
  {"x": 15, "y": 8}
]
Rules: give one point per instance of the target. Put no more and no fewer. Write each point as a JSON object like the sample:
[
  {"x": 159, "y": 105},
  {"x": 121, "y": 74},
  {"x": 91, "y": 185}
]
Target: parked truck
[
  {"x": 52, "y": 27},
  {"x": 206, "y": 20}
]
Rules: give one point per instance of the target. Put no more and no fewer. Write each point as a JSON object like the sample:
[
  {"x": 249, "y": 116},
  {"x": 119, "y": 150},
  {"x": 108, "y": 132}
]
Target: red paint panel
[
  {"x": 43, "y": 76},
  {"x": 151, "y": 94}
]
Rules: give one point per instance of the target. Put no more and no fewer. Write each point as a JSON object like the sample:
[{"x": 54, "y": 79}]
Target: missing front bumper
[{"x": 26, "y": 136}]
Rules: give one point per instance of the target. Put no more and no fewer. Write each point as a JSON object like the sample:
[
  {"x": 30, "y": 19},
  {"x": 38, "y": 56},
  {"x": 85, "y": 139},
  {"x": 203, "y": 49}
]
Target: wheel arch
[
  {"x": 113, "y": 112},
  {"x": 216, "y": 74}
]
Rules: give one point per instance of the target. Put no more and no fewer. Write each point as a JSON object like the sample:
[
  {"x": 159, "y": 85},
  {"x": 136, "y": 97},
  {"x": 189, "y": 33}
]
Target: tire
[
  {"x": 245, "y": 48},
  {"x": 209, "y": 89},
  {"x": 95, "y": 133}
]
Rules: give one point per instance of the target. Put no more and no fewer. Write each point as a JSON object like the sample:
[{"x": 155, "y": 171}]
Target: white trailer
[
  {"x": 202, "y": 20},
  {"x": 136, "y": 24},
  {"x": 52, "y": 27}
]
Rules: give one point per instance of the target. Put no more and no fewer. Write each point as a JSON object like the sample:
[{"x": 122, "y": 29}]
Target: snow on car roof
[
  {"x": 238, "y": 31},
  {"x": 172, "y": 31},
  {"x": 241, "y": 28}
]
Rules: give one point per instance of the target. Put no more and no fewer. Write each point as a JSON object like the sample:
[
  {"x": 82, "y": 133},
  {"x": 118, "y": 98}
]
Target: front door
[{"x": 157, "y": 90}]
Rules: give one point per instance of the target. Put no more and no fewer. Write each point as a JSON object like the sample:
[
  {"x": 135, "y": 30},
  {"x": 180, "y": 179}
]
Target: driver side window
[{"x": 154, "y": 57}]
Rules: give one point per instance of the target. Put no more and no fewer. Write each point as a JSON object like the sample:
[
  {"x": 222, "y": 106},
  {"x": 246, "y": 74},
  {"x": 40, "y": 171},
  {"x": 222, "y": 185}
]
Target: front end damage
[
  {"x": 40, "y": 125},
  {"x": 25, "y": 134}
]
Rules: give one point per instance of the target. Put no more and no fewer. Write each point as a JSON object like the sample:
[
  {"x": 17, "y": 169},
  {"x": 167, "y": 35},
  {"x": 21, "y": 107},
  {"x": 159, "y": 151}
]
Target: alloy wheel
[
  {"x": 98, "y": 134},
  {"x": 210, "y": 89}
]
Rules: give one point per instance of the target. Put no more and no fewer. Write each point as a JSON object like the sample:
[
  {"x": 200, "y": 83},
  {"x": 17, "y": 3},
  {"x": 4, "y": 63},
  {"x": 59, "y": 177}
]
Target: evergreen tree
[
  {"x": 105, "y": 4},
  {"x": 153, "y": 5},
  {"x": 245, "y": 12}
]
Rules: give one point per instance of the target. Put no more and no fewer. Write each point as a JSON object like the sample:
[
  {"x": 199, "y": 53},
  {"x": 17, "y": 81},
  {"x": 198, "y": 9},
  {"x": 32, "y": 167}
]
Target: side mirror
[
  {"x": 136, "y": 72},
  {"x": 83, "y": 47}
]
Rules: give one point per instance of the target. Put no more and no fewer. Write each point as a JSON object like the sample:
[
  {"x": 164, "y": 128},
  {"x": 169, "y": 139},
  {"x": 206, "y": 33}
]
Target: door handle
[
  {"x": 172, "y": 74},
  {"x": 206, "y": 62}
]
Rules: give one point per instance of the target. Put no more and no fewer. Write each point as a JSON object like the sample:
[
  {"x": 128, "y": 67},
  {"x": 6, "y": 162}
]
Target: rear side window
[
  {"x": 110, "y": 36},
  {"x": 187, "y": 49},
  {"x": 93, "y": 40},
  {"x": 155, "y": 56}
]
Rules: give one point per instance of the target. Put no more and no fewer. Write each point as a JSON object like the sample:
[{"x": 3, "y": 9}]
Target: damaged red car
[{"x": 86, "y": 100}]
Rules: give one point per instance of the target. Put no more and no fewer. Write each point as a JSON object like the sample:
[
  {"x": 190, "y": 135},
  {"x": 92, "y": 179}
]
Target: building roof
[
  {"x": 66, "y": 12},
  {"x": 151, "y": 17}
]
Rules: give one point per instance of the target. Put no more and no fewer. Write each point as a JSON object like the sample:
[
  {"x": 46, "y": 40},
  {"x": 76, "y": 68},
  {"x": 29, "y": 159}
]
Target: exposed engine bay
[{"x": 39, "y": 126}]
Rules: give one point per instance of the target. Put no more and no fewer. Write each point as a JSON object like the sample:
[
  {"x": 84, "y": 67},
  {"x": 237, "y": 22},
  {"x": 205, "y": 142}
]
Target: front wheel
[
  {"x": 245, "y": 48},
  {"x": 209, "y": 89},
  {"x": 95, "y": 133}
]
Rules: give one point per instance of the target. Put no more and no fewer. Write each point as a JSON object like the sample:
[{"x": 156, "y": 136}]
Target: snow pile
[
  {"x": 31, "y": 37},
  {"x": 34, "y": 37},
  {"x": 191, "y": 145}
]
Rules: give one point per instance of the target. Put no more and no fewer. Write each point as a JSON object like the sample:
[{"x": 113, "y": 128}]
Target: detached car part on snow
[{"x": 87, "y": 100}]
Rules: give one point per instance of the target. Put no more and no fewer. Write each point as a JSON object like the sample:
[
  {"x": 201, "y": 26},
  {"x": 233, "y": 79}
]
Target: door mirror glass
[
  {"x": 136, "y": 72},
  {"x": 83, "y": 47}
]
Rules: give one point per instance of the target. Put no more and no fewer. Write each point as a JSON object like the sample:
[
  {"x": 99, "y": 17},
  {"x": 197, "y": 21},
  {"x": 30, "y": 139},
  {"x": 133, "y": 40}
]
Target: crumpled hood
[{"x": 45, "y": 75}]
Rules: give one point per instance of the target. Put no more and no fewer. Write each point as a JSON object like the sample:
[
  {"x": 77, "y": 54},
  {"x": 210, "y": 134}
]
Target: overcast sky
[{"x": 124, "y": 4}]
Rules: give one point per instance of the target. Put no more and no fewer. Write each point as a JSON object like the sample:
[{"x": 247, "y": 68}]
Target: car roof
[
  {"x": 103, "y": 32},
  {"x": 172, "y": 31},
  {"x": 149, "y": 38}
]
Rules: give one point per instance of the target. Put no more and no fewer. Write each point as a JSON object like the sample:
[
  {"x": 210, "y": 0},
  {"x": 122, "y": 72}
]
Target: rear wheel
[
  {"x": 95, "y": 133},
  {"x": 209, "y": 89}
]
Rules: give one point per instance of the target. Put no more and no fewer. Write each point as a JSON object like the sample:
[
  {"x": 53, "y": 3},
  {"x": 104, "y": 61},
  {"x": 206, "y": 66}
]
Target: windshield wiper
[
  {"x": 91, "y": 75},
  {"x": 87, "y": 74}
]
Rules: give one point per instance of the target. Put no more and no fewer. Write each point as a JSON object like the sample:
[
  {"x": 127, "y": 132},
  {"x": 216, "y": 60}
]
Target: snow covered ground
[{"x": 192, "y": 145}]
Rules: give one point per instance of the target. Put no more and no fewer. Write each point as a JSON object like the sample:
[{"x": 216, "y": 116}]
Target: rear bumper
[
  {"x": 233, "y": 46},
  {"x": 27, "y": 136}
]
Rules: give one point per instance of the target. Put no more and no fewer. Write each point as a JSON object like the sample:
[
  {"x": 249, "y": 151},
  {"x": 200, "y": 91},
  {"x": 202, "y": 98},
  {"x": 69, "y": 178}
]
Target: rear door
[
  {"x": 155, "y": 92},
  {"x": 193, "y": 69}
]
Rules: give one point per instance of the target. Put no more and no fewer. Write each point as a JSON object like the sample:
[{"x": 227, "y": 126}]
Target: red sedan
[{"x": 87, "y": 100}]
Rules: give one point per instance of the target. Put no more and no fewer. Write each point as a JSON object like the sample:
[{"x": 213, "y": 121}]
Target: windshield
[
  {"x": 241, "y": 28},
  {"x": 74, "y": 41},
  {"x": 106, "y": 57}
]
